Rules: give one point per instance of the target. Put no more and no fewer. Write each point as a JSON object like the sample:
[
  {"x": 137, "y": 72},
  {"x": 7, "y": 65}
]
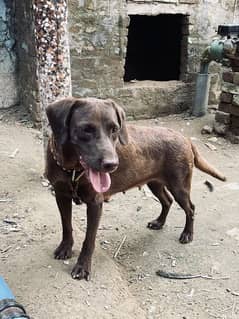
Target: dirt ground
[{"x": 125, "y": 286}]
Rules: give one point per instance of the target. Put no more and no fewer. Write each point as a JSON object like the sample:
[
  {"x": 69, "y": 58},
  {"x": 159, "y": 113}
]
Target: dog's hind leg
[
  {"x": 182, "y": 197},
  {"x": 64, "y": 203},
  {"x": 165, "y": 199}
]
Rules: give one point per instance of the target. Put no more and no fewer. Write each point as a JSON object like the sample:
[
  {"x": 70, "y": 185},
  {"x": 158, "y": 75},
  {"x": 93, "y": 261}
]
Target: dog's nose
[{"x": 109, "y": 166}]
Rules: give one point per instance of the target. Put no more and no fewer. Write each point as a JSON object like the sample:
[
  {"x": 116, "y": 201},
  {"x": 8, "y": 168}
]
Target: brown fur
[{"x": 159, "y": 157}]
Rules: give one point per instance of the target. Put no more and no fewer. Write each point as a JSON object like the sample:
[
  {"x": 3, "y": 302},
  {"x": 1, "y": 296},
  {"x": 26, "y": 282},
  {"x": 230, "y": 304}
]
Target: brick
[
  {"x": 226, "y": 97},
  {"x": 234, "y": 110},
  {"x": 234, "y": 127},
  {"x": 227, "y": 76},
  {"x": 235, "y": 130},
  {"x": 236, "y": 78},
  {"x": 224, "y": 107},
  {"x": 234, "y": 61},
  {"x": 222, "y": 117},
  {"x": 235, "y": 68},
  {"x": 235, "y": 121}
]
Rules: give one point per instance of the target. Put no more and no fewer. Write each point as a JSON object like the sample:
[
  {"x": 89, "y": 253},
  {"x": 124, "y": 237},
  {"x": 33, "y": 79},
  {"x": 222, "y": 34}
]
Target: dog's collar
[{"x": 75, "y": 177}]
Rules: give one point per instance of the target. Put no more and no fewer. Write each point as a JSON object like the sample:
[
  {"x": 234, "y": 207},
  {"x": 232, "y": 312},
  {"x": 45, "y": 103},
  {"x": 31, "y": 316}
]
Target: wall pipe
[
  {"x": 214, "y": 52},
  {"x": 226, "y": 47},
  {"x": 9, "y": 307}
]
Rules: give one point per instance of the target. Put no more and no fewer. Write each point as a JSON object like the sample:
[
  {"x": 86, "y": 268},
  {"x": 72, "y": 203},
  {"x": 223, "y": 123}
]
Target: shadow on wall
[{"x": 8, "y": 82}]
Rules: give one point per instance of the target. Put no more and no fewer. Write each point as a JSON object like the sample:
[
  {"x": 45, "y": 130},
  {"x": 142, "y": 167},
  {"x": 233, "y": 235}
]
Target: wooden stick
[
  {"x": 14, "y": 153},
  {"x": 4, "y": 200},
  {"x": 119, "y": 247}
]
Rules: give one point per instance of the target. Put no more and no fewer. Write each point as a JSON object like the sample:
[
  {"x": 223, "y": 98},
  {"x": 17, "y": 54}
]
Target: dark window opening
[{"x": 154, "y": 47}]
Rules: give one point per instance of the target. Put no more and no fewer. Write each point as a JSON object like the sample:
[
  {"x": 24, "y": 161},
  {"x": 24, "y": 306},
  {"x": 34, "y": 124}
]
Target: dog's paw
[
  {"x": 80, "y": 272},
  {"x": 186, "y": 237},
  {"x": 155, "y": 224},
  {"x": 63, "y": 251}
]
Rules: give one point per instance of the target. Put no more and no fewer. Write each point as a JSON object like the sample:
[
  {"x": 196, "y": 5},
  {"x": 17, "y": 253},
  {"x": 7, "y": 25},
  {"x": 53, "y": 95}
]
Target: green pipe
[{"x": 214, "y": 52}]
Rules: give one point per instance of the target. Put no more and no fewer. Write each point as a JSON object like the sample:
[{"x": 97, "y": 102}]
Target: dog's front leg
[
  {"x": 83, "y": 266},
  {"x": 64, "y": 203}
]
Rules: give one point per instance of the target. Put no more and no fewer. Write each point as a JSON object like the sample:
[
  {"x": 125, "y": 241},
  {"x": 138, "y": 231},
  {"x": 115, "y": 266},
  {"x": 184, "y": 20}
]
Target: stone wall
[
  {"x": 98, "y": 40},
  {"x": 8, "y": 82}
]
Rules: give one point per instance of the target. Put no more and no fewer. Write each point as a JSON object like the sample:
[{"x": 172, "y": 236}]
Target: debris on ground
[
  {"x": 234, "y": 232},
  {"x": 211, "y": 146},
  {"x": 207, "y": 129},
  {"x": 13, "y": 155},
  {"x": 209, "y": 185}
]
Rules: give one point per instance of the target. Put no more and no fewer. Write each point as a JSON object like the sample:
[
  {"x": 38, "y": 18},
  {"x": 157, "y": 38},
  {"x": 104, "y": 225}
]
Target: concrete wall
[
  {"x": 8, "y": 81},
  {"x": 98, "y": 40}
]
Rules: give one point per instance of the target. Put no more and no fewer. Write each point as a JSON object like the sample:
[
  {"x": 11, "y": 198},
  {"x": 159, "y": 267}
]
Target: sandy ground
[{"x": 126, "y": 286}]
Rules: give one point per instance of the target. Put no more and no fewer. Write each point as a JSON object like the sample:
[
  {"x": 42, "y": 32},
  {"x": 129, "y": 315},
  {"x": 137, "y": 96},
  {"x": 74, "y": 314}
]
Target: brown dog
[{"x": 86, "y": 163}]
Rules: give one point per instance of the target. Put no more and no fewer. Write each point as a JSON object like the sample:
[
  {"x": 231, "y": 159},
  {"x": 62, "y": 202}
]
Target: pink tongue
[{"x": 100, "y": 181}]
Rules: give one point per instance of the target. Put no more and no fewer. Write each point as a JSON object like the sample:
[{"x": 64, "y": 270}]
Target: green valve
[{"x": 216, "y": 50}]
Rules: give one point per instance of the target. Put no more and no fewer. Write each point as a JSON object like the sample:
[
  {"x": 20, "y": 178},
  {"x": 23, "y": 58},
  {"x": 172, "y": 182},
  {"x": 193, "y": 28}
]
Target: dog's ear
[
  {"x": 58, "y": 114},
  {"x": 123, "y": 134}
]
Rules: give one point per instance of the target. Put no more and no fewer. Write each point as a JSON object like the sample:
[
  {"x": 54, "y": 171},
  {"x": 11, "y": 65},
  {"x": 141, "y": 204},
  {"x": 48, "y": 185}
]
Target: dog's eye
[
  {"x": 114, "y": 129},
  {"x": 89, "y": 129}
]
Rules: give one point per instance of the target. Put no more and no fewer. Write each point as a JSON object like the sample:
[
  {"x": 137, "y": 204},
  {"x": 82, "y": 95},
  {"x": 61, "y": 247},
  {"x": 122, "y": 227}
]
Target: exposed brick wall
[{"x": 227, "y": 116}]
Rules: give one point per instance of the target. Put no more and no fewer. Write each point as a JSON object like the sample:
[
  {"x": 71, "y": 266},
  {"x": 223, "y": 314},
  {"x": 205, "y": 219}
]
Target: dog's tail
[{"x": 204, "y": 166}]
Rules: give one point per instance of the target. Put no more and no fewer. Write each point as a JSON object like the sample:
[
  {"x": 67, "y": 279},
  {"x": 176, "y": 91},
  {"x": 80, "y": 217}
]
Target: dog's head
[{"x": 92, "y": 127}]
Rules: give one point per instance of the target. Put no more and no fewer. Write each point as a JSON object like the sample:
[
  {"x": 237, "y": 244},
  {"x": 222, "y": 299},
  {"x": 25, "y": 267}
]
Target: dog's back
[{"x": 151, "y": 154}]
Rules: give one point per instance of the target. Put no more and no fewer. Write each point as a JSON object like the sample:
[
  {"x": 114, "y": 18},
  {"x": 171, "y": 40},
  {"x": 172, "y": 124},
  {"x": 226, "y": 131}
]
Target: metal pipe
[
  {"x": 214, "y": 52},
  {"x": 9, "y": 307},
  {"x": 201, "y": 96}
]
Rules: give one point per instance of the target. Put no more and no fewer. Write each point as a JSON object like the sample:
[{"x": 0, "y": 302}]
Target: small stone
[
  {"x": 206, "y": 129},
  {"x": 45, "y": 183},
  {"x": 174, "y": 263},
  {"x": 213, "y": 139}
]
